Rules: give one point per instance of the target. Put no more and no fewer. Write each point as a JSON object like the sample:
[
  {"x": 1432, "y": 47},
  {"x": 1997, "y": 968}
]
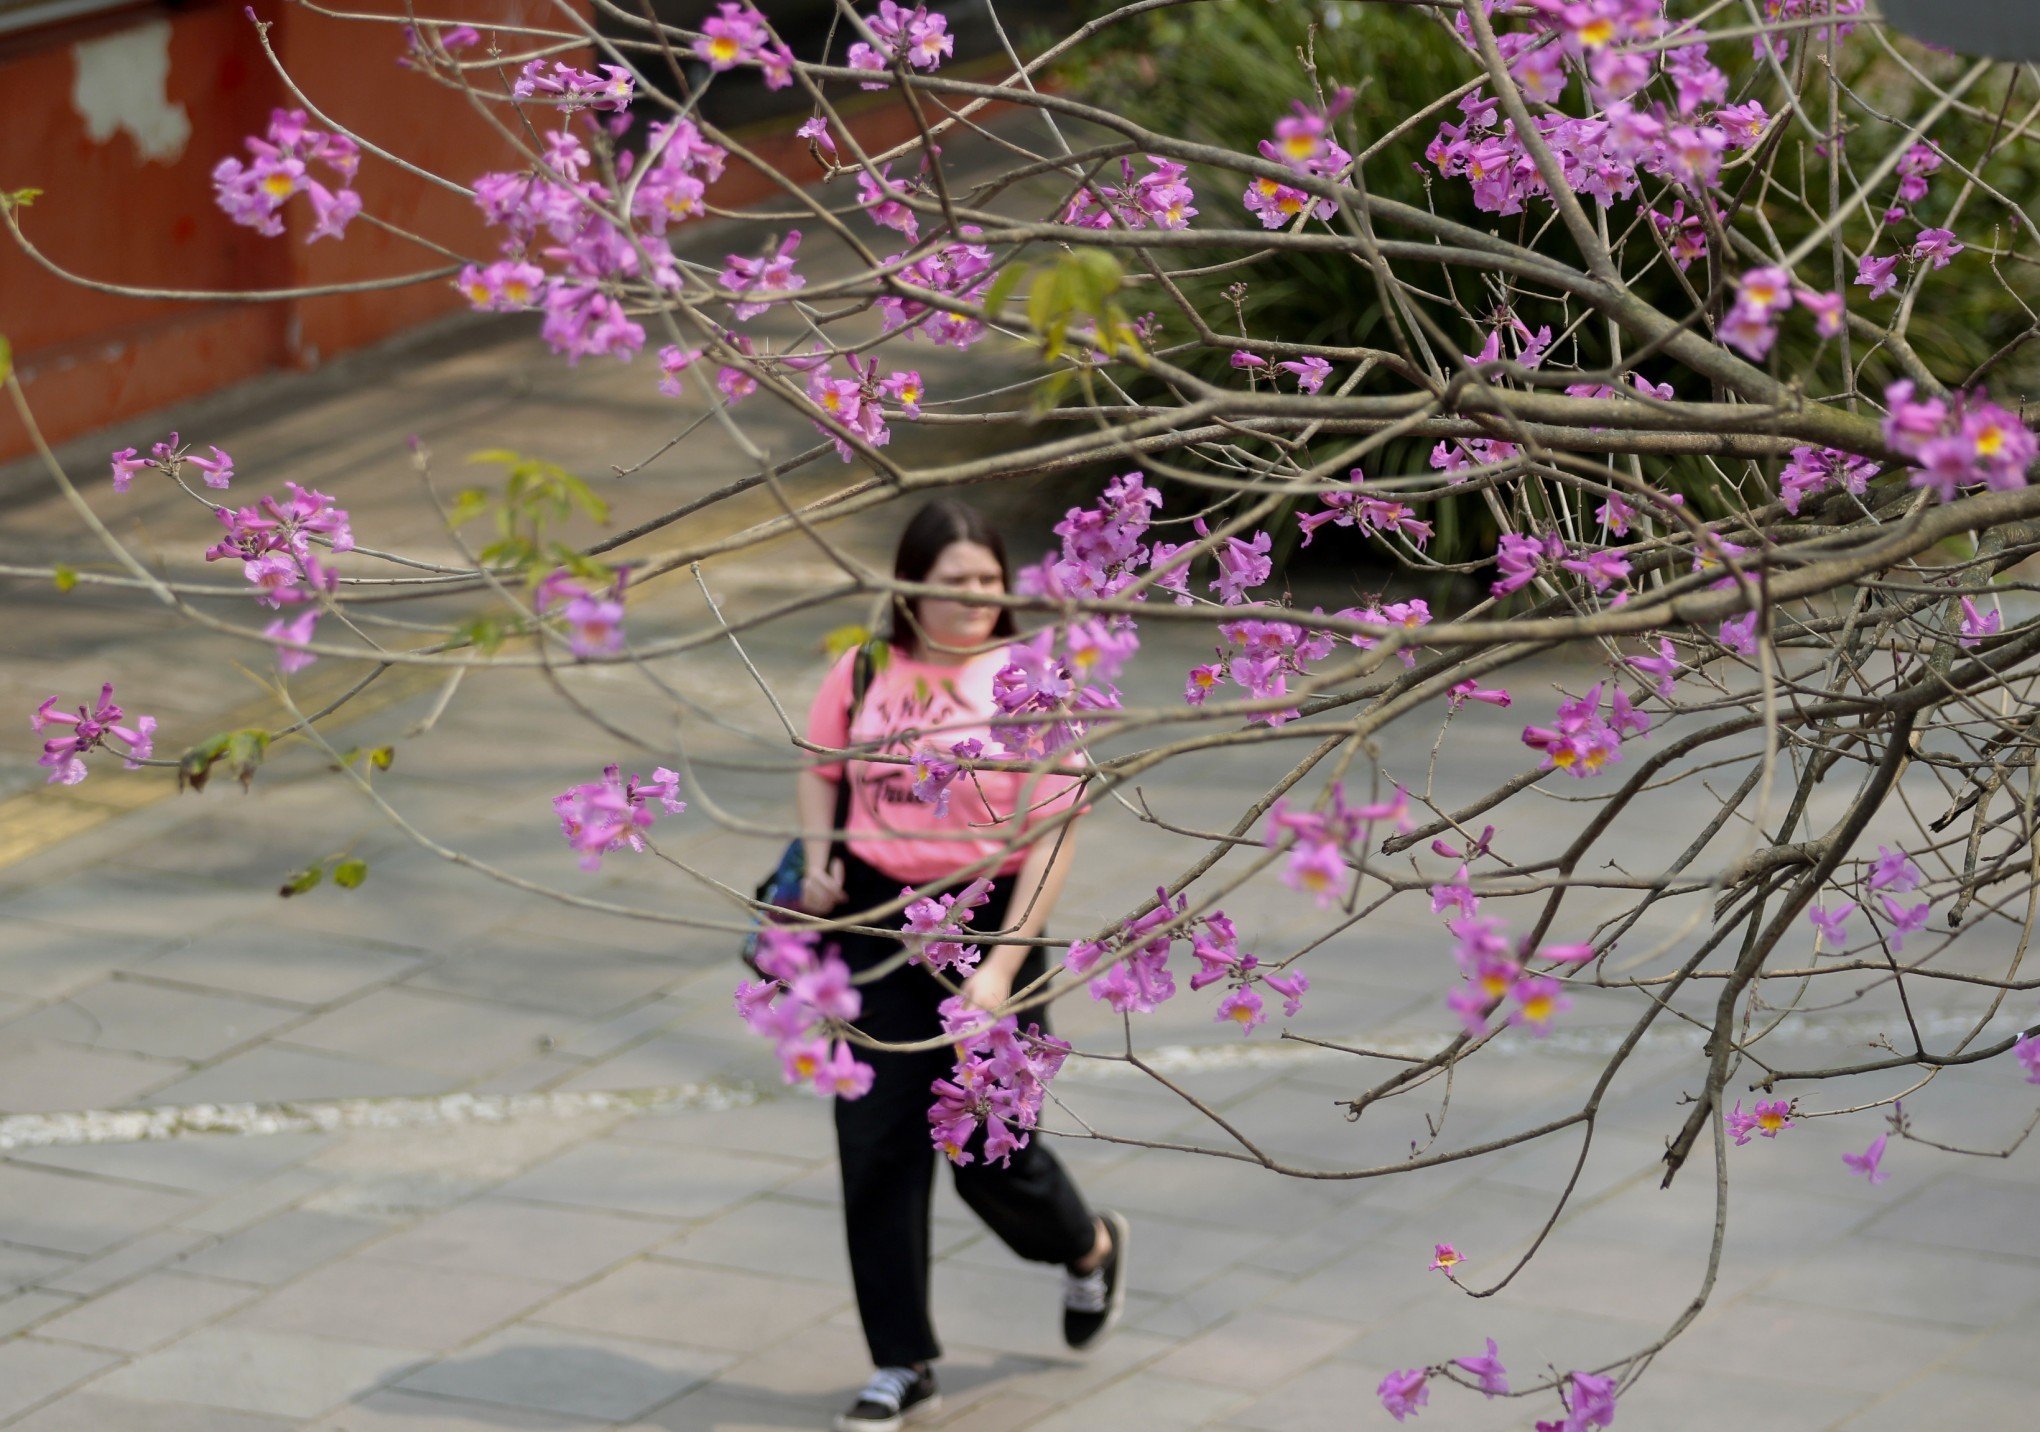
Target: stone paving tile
[
  {"x": 781, "y": 1237},
  {"x": 44, "y": 961},
  {"x": 578, "y": 1374},
  {"x": 1831, "y": 1348},
  {"x": 210, "y": 1165},
  {"x": 1222, "y": 1191},
  {"x": 776, "y": 1126},
  {"x": 279, "y": 1073},
  {"x": 1340, "y": 1397},
  {"x": 130, "y": 904},
  {"x": 147, "y": 1312},
  {"x": 1003, "y": 1413},
  {"x": 255, "y": 1201},
  {"x": 248, "y": 1370},
  {"x": 304, "y": 970},
  {"x": 561, "y": 980},
  {"x": 454, "y": 1038},
  {"x": 41, "y": 1076},
  {"x": 1256, "y": 1351},
  {"x": 491, "y": 1235},
  {"x": 90, "y": 1411},
  {"x": 1943, "y": 1399},
  {"x": 150, "y": 1251},
  {"x": 1147, "y": 1401},
  {"x": 684, "y": 1058},
  {"x": 1959, "y": 1211},
  {"x": 1900, "y": 1281},
  {"x": 281, "y": 1246},
  {"x": 26, "y": 1267},
  {"x": 396, "y": 1411},
  {"x": 643, "y": 1178},
  {"x": 24, "y": 1310},
  {"x": 1674, "y": 1394},
  {"x": 363, "y": 1300},
  {"x": 715, "y": 1408},
  {"x": 700, "y": 1307},
  {"x": 1209, "y": 1303},
  {"x": 33, "y": 1371},
  {"x": 73, "y": 1214},
  {"x": 140, "y": 1018}
]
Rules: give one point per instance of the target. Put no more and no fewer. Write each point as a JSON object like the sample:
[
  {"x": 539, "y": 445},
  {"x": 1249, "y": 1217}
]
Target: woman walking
[{"x": 933, "y": 690}]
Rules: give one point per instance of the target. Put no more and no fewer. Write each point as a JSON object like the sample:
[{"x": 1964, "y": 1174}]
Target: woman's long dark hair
[{"x": 940, "y": 522}]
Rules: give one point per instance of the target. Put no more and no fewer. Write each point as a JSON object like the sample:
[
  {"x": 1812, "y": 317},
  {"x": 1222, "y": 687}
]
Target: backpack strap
[{"x": 862, "y": 668}]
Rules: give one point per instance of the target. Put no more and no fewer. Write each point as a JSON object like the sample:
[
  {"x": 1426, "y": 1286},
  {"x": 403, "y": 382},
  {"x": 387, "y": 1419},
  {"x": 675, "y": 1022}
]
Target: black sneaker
[
  {"x": 894, "y": 1397},
  {"x": 1093, "y": 1301}
]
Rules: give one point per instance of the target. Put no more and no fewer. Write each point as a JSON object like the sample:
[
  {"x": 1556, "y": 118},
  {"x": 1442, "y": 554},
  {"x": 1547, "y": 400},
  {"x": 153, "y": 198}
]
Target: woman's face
[{"x": 961, "y": 624}]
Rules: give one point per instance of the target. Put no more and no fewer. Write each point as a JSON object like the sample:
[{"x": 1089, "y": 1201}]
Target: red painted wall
[{"x": 112, "y": 213}]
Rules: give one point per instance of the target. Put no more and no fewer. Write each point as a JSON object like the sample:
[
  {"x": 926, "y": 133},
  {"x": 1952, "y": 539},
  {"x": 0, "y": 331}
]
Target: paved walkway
[{"x": 393, "y": 1256}]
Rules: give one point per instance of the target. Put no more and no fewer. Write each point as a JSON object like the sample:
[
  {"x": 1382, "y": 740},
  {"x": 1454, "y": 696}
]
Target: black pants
[{"x": 888, "y": 1160}]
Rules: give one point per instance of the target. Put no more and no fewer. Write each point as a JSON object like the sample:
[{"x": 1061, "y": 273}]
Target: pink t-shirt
[{"x": 914, "y": 704}]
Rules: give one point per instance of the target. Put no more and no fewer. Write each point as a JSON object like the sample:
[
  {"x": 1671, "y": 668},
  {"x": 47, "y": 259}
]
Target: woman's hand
[
  {"x": 821, "y": 888},
  {"x": 989, "y": 986}
]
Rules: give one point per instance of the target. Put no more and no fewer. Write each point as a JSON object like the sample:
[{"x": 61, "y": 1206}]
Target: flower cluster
[
  {"x": 1374, "y": 516},
  {"x": 1768, "y": 1120},
  {"x": 557, "y": 83},
  {"x": 1761, "y": 296},
  {"x": 1958, "y": 442},
  {"x": 959, "y": 270},
  {"x": 2027, "y": 1052},
  {"x": 1580, "y": 740},
  {"x": 1037, "y": 685},
  {"x": 1811, "y": 470},
  {"x": 65, "y": 755},
  {"x": 273, "y": 542},
  {"x": 736, "y": 35},
  {"x": 1302, "y": 143},
  {"x": 932, "y": 924},
  {"x": 854, "y": 404},
  {"x": 803, "y": 999},
  {"x": 170, "y": 459},
  {"x": 1215, "y": 945},
  {"x": 914, "y": 36},
  {"x": 1161, "y": 198},
  {"x": 253, "y": 194},
  {"x": 1325, "y": 844},
  {"x": 1496, "y": 971},
  {"x": 933, "y": 775},
  {"x": 1139, "y": 981},
  {"x": 600, "y": 817},
  {"x": 999, "y": 1083},
  {"x": 592, "y": 615}
]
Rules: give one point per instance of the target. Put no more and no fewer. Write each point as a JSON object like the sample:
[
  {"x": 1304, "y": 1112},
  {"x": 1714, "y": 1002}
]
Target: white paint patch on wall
[{"x": 123, "y": 82}]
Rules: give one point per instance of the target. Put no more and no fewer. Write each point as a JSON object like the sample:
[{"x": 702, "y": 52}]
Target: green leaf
[
  {"x": 240, "y": 751},
  {"x": 382, "y": 757},
  {"x": 64, "y": 577},
  {"x": 348, "y": 874},
  {"x": 468, "y": 504},
  {"x": 304, "y": 880},
  {"x": 484, "y": 633},
  {"x": 1002, "y": 288},
  {"x": 844, "y": 638},
  {"x": 6, "y": 358},
  {"x": 20, "y": 198}
]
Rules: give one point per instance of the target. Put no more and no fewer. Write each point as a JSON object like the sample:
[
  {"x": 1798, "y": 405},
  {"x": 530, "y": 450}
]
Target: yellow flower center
[
  {"x": 517, "y": 291},
  {"x": 1596, "y": 759},
  {"x": 1290, "y": 204},
  {"x": 1494, "y": 986},
  {"x": 1537, "y": 1008},
  {"x": 1597, "y": 32},
  {"x": 1299, "y": 146},
  {"x": 1990, "y": 441},
  {"x": 805, "y": 1065},
  {"x": 1563, "y": 757},
  {"x": 1267, "y": 187},
  {"x": 1771, "y": 1119},
  {"x": 478, "y": 293},
  {"x": 722, "y": 47},
  {"x": 278, "y": 185},
  {"x": 1242, "y": 1014}
]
